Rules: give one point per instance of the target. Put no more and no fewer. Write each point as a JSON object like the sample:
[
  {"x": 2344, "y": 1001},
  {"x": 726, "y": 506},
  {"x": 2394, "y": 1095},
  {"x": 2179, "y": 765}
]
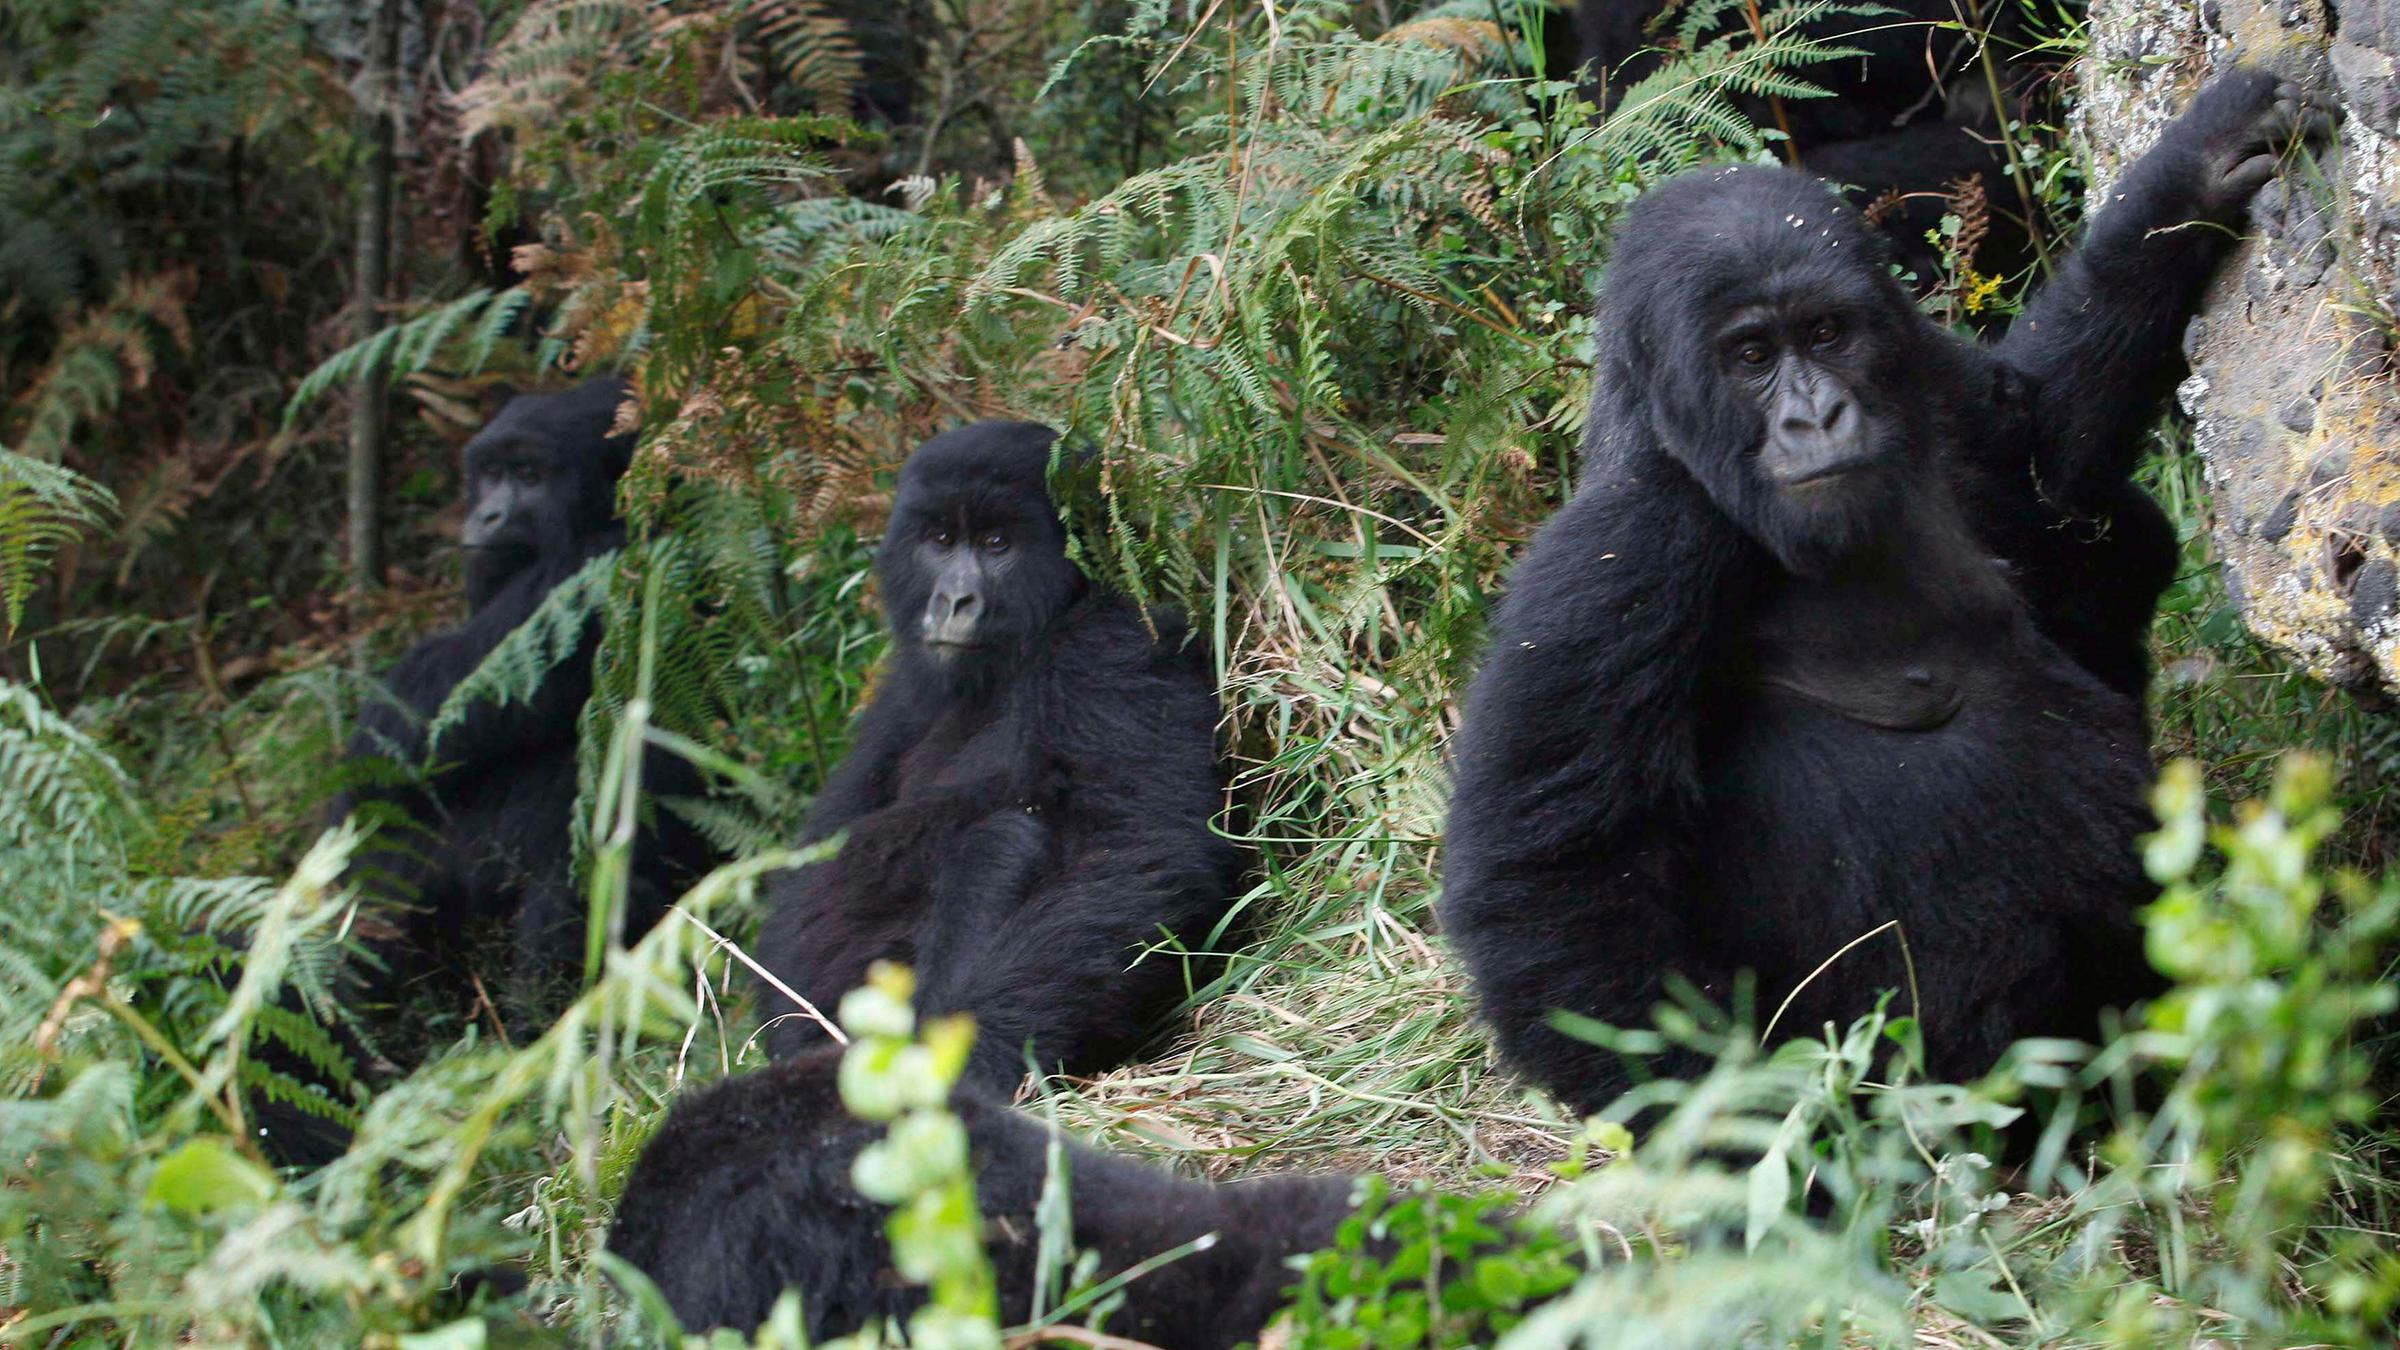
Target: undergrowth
[{"x": 1325, "y": 335}]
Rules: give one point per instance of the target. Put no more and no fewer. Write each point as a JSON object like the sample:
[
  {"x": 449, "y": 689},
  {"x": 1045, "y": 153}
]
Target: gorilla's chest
[
  {"x": 982, "y": 752},
  {"x": 1869, "y": 747}
]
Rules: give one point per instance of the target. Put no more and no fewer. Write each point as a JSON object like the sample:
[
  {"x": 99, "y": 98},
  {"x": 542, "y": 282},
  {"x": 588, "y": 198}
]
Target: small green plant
[
  {"x": 892, "y": 1074},
  {"x": 1417, "y": 1266}
]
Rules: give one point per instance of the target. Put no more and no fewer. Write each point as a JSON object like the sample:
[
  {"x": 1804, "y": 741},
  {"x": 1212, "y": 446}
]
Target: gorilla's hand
[{"x": 2243, "y": 124}]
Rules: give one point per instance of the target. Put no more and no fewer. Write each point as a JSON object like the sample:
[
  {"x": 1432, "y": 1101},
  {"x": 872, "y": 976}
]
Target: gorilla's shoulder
[{"x": 1106, "y": 632}]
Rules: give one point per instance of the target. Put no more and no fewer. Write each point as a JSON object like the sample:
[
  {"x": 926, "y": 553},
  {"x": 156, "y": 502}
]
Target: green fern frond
[
  {"x": 514, "y": 670},
  {"x": 64, "y": 790},
  {"x": 417, "y": 344},
  {"x": 42, "y": 506}
]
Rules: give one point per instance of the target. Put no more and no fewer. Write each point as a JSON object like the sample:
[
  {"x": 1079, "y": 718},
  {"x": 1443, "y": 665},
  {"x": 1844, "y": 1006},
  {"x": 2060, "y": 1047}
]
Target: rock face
[{"x": 2294, "y": 393}]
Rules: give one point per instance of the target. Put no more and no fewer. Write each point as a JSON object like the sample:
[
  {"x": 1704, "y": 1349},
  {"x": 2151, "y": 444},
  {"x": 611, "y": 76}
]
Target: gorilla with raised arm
[
  {"x": 746, "y": 1191},
  {"x": 1845, "y": 625},
  {"x": 1027, "y": 803}
]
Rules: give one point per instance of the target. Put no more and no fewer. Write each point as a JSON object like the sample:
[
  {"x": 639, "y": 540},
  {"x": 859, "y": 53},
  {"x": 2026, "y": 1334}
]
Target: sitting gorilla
[
  {"x": 492, "y": 814},
  {"x": 1846, "y": 624},
  {"x": 1027, "y": 803},
  {"x": 745, "y": 1192},
  {"x": 1912, "y": 114},
  {"x": 475, "y": 832}
]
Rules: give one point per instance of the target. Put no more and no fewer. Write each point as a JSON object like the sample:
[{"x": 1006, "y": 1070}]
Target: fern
[
  {"x": 42, "y": 506},
  {"x": 64, "y": 791},
  {"x": 417, "y": 344},
  {"x": 550, "y": 54},
  {"x": 811, "y": 49},
  {"x": 514, "y": 670}
]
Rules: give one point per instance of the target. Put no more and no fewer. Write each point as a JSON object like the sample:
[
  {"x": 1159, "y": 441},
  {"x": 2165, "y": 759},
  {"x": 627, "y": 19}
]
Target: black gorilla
[
  {"x": 1027, "y": 803},
  {"x": 1846, "y": 624},
  {"x": 486, "y": 832},
  {"x": 746, "y": 1191},
  {"x": 1913, "y": 113},
  {"x": 472, "y": 842}
]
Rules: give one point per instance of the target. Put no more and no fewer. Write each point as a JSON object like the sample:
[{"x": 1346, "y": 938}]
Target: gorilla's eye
[
  {"x": 526, "y": 474},
  {"x": 1753, "y": 353},
  {"x": 941, "y": 535},
  {"x": 1827, "y": 332},
  {"x": 994, "y": 541}
]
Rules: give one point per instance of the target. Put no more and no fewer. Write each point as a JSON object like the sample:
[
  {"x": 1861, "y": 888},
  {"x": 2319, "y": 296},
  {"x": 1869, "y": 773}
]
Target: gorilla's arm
[
  {"x": 1126, "y": 859},
  {"x": 868, "y": 776},
  {"x": 1577, "y": 766},
  {"x": 746, "y": 1191},
  {"x": 2098, "y": 342},
  {"x": 394, "y": 724},
  {"x": 827, "y": 922}
]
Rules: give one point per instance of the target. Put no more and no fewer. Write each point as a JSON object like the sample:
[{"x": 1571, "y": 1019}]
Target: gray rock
[
  {"x": 2295, "y": 410},
  {"x": 2375, "y": 593}
]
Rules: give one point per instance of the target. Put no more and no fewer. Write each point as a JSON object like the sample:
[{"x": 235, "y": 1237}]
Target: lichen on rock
[{"x": 2294, "y": 398}]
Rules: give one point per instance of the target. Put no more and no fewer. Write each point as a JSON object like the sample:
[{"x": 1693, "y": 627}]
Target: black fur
[
  {"x": 1913, "y": 113},
  {"x": 746, "y": 1191},
  {"x": 1727, "y": 726},
  {"x": 475, "y": 853},
  {"x": 1025, "y": 816}
]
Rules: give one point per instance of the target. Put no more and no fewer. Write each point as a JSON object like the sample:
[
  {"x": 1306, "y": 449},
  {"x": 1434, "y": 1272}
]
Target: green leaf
[
  {"x": 206, "y": 1176},
  {"x": 467, "y": 1333}
]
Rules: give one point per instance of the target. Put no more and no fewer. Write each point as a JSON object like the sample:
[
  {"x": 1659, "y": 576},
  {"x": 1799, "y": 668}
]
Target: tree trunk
[{"x": 378, "y": 104}]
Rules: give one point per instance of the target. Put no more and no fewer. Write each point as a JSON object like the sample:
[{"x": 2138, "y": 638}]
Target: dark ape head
[
  {"x": 1749, "y": 320},
  {"x": 974, "y": 566},
  {"x": 541, "y": 480}
]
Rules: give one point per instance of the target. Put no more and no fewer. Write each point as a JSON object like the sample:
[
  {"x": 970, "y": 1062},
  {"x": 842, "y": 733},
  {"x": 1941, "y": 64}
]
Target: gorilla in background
[
  {"x": 1913, "y": 114},
  {"x": 745, "y": 1191},
  {"x": 1027, "y": 800},
  {"x": 1846, "y": 624},
  {"x": 481, "y": 842}
]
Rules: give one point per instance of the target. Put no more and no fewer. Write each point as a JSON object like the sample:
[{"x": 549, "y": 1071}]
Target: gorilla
[
  {"x": 491, "y": 830},
  {"x": 1847, "y": 624},
  {"x": 1912, "y": 114},
  {"x": 745, "y": 1191},
  {"x": 474, "y": 833},
  {"x": 1026, "y": 805}
]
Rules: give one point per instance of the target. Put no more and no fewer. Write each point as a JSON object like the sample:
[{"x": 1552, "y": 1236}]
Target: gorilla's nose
[
  {"x": 950, "y": 617},
  {"x": 1832, "y": 418},
  {"x": 1817, "y": 442},
  {"x": 481, "y": 527}
]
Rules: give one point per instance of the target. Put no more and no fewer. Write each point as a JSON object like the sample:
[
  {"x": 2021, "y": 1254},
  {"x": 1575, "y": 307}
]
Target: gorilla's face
[
  {"x": 1751, "y": 323},
  {"x": 1827, "y": 445},
  {"x": 539, "y": 479},
  {"x": 974, "y": 566}
]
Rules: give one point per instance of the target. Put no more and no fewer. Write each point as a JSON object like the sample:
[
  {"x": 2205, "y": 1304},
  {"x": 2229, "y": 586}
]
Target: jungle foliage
[{"x": 1310, "y": 283}]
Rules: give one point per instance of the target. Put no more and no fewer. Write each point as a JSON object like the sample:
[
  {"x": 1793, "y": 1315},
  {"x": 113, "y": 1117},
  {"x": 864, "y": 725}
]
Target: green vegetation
[{"x": 1311, "y": 281}]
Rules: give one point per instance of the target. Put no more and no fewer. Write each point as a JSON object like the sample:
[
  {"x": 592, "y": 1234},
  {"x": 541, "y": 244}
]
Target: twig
[
  {"x": 1824, "y": 965},
  {"x": 1428, "y": 540},
  {"x": 1074, "y": 1336},
  {"x": 89, "y": 984},
  {"x": 491, "y": 1010},
  {"x": 763, "y": 973}
]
